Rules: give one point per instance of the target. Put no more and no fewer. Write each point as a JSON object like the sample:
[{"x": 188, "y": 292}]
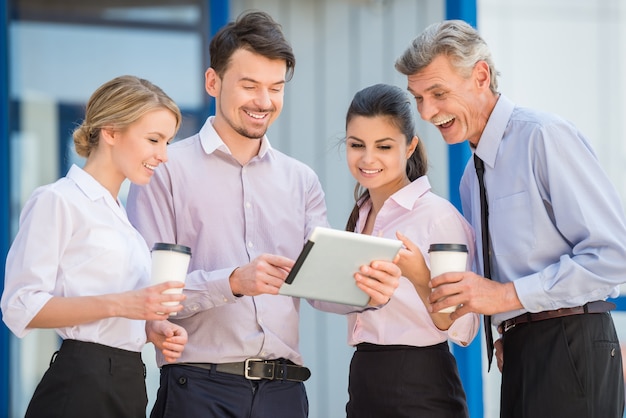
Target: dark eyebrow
[
  {"x": 376, "y": 141},
  {"x": 251, "y": 80}
]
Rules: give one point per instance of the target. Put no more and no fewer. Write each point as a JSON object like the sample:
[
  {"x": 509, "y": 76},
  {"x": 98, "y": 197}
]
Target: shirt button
[
  {"x": 248, "y": 205},
  {"x": 250, "y": 244}
]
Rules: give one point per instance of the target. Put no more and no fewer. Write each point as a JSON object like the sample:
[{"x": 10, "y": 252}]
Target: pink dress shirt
[
  {"x": 229, "y": 214},
  {"x": 424, "y": 218}
]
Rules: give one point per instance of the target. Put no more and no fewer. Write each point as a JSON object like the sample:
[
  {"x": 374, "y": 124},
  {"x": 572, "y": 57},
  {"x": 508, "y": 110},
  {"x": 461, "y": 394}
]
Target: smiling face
[
  {"x": 377, "y": 153},
  {"x": 249, "y": 95},
  {"x": 139, "y": 148},
  {"x": 458, "y": 106}
]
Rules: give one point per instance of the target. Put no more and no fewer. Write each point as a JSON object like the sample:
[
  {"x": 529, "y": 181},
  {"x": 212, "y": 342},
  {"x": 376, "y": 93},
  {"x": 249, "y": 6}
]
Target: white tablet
[{"x": 325, "y": 268}]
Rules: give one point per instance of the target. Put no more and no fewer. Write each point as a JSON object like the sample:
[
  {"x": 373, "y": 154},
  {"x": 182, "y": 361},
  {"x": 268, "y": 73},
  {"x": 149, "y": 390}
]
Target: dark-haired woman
[{"x": 402, "y": 366}]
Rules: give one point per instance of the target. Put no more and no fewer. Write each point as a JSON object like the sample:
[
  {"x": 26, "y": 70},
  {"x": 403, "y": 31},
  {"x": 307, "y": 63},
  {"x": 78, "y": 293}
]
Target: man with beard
[{"x": 246, "y": 211}]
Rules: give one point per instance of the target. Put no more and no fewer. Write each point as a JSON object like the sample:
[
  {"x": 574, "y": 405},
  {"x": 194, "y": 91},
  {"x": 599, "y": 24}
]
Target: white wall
[{"x": 568, "y": 57}]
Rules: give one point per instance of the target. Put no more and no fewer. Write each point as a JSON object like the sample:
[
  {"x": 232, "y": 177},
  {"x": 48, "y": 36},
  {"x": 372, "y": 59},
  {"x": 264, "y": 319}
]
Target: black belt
[
  {"x": 599, "y": 306},
  {"x": 257, "y": 369}
]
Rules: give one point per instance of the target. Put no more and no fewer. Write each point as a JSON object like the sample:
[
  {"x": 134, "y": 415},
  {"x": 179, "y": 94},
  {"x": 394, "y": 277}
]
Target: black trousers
[
  {"x": 404, "y": 381},
  {"x": 192, "y": 392},
  {"x": 563, "y": 367},
  {"x": 91, "y": 380}
]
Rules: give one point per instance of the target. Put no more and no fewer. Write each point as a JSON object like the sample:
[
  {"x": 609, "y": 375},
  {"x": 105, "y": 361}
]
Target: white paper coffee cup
[
  {"x": 446, "y": 258},
  {"x": 170, "y": 262}
]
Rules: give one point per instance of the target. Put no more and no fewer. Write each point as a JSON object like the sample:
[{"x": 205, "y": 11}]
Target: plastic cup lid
[
  {"x": 448, "y": 247},
  {"x": 162, "y": 246}
]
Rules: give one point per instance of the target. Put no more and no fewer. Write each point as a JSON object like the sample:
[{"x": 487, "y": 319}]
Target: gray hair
[{"x": 453, "y": 38}]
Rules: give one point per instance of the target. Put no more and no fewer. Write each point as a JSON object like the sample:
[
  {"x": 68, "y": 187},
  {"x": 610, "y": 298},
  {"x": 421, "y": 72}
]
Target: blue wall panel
[
  {"x": 5, "y": 233},
  {"x": 469, "y": 358}
]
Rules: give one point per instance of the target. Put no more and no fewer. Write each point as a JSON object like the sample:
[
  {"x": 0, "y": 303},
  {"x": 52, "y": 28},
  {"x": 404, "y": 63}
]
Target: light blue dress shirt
[
  {"x": 556, "y": 222},
  {"x": 230, "y": 214}
]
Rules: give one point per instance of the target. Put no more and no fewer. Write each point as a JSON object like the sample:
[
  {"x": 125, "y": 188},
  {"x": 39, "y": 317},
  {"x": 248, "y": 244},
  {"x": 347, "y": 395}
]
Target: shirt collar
[
  {"x": 493, "y": 133},
  {"x": 95, "y": 191},
  {"x": 211, "y": 141},
  {"x": 87, "y": 184},
  {"x": 407, "y": 196}
]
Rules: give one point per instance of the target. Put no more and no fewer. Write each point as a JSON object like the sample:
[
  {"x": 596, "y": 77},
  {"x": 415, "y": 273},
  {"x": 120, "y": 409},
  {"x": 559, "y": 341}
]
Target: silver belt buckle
[
  {"x": 246, "y": 369},
  {"x": 508, "y": 324}
]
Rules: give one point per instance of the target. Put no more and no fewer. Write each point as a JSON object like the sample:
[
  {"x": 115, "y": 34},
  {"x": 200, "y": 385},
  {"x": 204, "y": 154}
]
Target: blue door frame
[
  {"x": 468, "y": 358},
  {"x": 5, "y": 216}
]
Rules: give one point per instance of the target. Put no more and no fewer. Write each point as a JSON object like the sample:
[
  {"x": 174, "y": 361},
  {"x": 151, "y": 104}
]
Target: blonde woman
[{"x": 78, "y": 266}]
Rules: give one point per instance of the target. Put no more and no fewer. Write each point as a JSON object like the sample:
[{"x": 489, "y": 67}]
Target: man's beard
[{"x": 247, "y": 134}]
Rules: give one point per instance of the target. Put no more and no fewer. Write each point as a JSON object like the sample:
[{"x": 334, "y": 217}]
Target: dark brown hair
[
  {"x": 256, "y": 32},
  {"x": 395, "y": 104}
]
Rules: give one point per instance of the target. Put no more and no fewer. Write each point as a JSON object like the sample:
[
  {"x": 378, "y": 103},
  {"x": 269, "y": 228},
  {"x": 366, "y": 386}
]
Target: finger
[
  {"x": 449, "y": 302},
  {"x": 159, "y": 315},
  {"x": 406, "y": 241},
  {"x": 379, "y": 268},
  {"x": 369, "y": 282},
  {"x": 461, "y": 309},
  {"x": 173, "y": 349},
  {"x": 376, "y": 298},
  {"x": 171, "y": 284},
  {"x": 168, "y": 333},
  {"x": 171, "y": 299},
  {"x": 445, "y": 278},
  {"x": 499, "y": 353},
  {"x": 176, "y": 343},
  {"x": 379, "y": 291},
  {"x": 179, "y": 332},
  {"x": 278, "y": 261},
  {"x": 437, "y": 293},
  {"x": 272, "y": 282},
  {"x": 273, "y": 276},
  {"x": 170, "y": 358}
]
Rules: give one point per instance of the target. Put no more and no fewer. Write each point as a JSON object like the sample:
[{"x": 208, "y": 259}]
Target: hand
[
  {"x": 147, "y": 303},
  {"x": 499, "y": 353},
  {"x": 412, "y": 264},
  {"x": 475, "y": 293},
  {"x": 264, "y": 274},
  {"x": 167, "y": 337},
  {"x": 415, "y": 269},
  {"x": 379, "y": 280}
]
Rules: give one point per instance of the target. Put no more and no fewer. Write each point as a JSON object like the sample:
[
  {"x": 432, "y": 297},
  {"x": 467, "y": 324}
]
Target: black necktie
[{"x": 484, "y": 222}]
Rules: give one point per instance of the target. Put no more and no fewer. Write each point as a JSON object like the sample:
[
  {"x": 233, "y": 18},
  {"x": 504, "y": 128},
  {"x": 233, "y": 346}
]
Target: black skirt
[
  {"x": 404, "y": 381},
  {"x": 91, "y": 380}
]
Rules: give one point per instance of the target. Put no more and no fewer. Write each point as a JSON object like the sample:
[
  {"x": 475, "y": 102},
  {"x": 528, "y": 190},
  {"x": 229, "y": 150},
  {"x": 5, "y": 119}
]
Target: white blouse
[{"x": 75, "y": 240}]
